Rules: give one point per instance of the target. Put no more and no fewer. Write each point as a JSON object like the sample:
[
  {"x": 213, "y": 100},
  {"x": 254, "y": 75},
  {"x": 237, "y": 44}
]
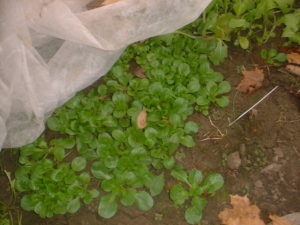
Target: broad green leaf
[
  {"x": 107, "y": 206},
  {"x": 169, "y": 162},
  {"x": 180, "y": 175},
  {"x": 59, "y": 153},
  {"x": 212, "y": 183},
  {"x": 195, "y": 177},
  {"x": 187, "y": 141},
  {"x": 100, "y": 171},
  {"x": 244, "y": 42},
  {"x": 234, "y": 23},
  {"x": 78, "y": 163},
  {"x": 193, "y": 215},
  {"x": 219, "y": 54},
  {"x": 54, "y": 124},
  {"x": 194, "y": 85},
  {"x": 222, "y": 101},
  {"x": 119, "y": 135},
  {"x": 202, "y": 100},
  {"x": 199, "y": 202},
  {"x": 178, "y": 194},
  {"x": 191, "y": 127},
  {"x": 28, "y": 202},
  {"x": 85, "y": 178},
  {"x": 128, "y": 197},
  {"x": 280, "y": 57},
  {"x": 74, "y": 205},
  {"x": 224, "y": 87},
  {"x": 143, "y": 200},
  {"x": 155, "y": 184},
  {"x": 102, "y": 90}
]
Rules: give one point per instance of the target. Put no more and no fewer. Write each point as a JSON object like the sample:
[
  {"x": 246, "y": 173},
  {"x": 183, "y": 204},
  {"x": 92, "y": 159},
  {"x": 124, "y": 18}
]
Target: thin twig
[
  {"x": 244, "y": 113},
  {"x": 213, "y": 138},
  {"x": 219, "y": 131}
]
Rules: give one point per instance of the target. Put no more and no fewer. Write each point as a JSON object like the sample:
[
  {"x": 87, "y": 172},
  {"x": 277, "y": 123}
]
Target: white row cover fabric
[{"x": 50, "y": 49}]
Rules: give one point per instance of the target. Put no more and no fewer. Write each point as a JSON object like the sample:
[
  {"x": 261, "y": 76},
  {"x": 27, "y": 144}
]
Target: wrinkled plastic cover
[{"x": 51, "y": 49}]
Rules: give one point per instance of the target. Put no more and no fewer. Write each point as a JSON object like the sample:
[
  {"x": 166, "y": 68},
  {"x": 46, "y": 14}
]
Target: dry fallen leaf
[
  {"x": 142, "y": 119},
  {"x": 139, "y": 72},
  {"x": 293, "y": 69},
  {"x": 293, "y": 58},
  {"x": 242, "y": 212},
  {"x": 276, "y": 220},
  {"x": 98, "y": 3},
  {"x": 252, "y": 81}
]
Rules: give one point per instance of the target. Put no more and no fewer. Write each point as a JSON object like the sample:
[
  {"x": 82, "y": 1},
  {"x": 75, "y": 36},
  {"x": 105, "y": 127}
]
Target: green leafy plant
[
  {"x": 195, "y": 189},
  {"x": 272, "y": 56}
]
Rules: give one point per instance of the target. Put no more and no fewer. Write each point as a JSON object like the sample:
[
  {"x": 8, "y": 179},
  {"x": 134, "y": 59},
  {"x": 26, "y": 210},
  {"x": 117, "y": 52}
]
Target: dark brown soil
[{"x": 267, "y": 140}]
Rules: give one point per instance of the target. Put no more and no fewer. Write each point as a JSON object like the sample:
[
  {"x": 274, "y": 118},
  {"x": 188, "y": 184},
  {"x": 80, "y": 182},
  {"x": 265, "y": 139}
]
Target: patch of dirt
[{"x": 266, "y": 140}]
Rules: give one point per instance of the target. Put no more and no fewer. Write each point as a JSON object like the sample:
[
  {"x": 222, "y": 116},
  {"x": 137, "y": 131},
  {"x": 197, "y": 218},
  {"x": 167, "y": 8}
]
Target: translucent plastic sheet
[{"x": 51, "y": 49}]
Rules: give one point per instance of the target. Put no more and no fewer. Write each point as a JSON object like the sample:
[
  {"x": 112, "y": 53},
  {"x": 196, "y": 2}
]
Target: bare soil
[{"x": 266, "y": 141}]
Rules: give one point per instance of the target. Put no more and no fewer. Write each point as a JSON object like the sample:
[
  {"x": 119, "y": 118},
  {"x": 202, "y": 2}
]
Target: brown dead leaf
[
  {"x": 276, "y": 220},
  {"x": 252, "y": 81},
  {"x": 293, "y": 69},
  {"x": 241, "y": 213},
  {"x": 98, "y": 3},
  {"x": 293, "y": 58},
  {"x": 289, "y": 49},
  {"x": 139, "y": 72},
  {"x": 142, "y": 119}
]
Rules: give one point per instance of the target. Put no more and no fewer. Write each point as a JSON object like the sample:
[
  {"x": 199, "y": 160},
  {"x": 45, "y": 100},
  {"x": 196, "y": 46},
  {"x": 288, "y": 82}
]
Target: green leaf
[
  {"x": 119, "y": 135},
  {"x": 219, "y": 54},
  {"x": 195, "y": 177},
  {"x": 212, "y": 183},
  {"x": 102, "y": 90},
  {"x": 100, "y": 171},
  {"x": 85, "y": 178},
  {"x": 223, "y": 101},
  {"x": 191, "y": 127},
  {"x": 224, "y": 87},
  {"x": 143, "y": 200},
  {"x": 78, "y": 163},
  {"x": 74, "y": 205},
  {"x": 180, "y": 175},
  {"x": 193, "y": 215},
  {"x": 234, "y": 23},
  {"x": 244, "y": 42},
  {"x": 155, "y": 184},
  {"x": 178, "y": 194},
  {"x": 28, "y": 203},
  {"x": 199, "y": 202},
  {"x": 53, "y": 123},
  {"x": 59, "y": 153},
  {"x": 187, "y": 141},
  {"x": 194, "y": 85},
  {"x": 280, "y": 57},
  {"x": 169, "y": 162},
  {"x": 128, "y": 197},
  {"x": 202, "y": 100},
  {"x": 108, "y": 206}
]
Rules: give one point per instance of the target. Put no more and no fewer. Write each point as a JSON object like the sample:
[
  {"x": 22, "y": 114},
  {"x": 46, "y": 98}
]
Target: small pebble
[{"x": 234, "y": 161}]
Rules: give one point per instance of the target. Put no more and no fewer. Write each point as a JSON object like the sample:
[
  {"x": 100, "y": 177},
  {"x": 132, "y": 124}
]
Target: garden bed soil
[{"x": 265, "y": 164}]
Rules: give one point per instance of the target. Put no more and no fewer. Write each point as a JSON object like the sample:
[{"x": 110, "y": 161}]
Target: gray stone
[{"x": 234, "y": 161}]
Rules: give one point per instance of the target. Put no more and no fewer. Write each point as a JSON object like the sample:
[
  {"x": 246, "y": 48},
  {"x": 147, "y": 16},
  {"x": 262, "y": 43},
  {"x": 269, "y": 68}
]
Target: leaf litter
[
  {"x": 252, "y": 81},
  {"x": 142, "y": 119},
  {"x": 243, "y": 213}
]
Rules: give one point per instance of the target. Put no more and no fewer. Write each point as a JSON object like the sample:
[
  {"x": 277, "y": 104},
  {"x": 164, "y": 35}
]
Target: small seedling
[
  {"x": 197, "y": 189},
  {"x": 273, "y": 57},
  {"x": 158, "y": 217}
]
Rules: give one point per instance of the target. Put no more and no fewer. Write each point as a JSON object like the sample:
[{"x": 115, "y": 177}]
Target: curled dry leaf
[
  {"x": 241, "y": 213},
  {"x": 139, "y": 72},
  {"x": 252, "y": 81},
  {"x": 276, "y": 220},
  {"x": 293, "y": 58},
  {"x": 293, "y": 69},
  {"x": 98, "y": 3},
  {"x": 142, "y": 119}
]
